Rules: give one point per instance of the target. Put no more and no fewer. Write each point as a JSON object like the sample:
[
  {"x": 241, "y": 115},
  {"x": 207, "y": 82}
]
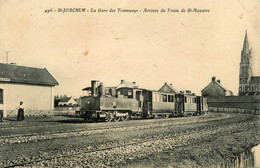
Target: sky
[{"x": 182, "y": 48}]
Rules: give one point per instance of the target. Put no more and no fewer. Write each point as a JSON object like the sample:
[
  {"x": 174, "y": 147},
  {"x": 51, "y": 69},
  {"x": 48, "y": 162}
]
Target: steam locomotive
[{"x": 128, "y": 101}]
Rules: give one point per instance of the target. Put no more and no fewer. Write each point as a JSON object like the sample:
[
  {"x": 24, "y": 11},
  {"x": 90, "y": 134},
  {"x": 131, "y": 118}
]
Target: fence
[{"x": 66, "y": 111}]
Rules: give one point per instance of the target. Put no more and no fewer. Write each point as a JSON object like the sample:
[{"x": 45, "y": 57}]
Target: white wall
[{"x": 34, "y": 97}]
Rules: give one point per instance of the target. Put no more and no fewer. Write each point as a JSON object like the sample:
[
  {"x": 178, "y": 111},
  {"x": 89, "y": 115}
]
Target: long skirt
[
  {"x": 1, "y": 115},
  {"x": 20, "y": 115}
]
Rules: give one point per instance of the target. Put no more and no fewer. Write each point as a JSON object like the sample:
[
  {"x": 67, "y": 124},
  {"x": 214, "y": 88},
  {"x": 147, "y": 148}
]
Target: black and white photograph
[{"x": 130, "y": 84}]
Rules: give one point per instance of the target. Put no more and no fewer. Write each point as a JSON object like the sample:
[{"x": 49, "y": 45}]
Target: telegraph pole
[{"x": 6, "y": 57}]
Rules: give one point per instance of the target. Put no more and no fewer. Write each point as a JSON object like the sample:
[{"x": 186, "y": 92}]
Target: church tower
[{"x": 245, "y": 71}]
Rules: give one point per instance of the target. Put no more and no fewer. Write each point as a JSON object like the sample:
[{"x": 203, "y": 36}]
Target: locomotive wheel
[
  {"x": 109, "y": 117},
  {"x": 124, "y": 118},
  {"x": 117, "y": 119}
]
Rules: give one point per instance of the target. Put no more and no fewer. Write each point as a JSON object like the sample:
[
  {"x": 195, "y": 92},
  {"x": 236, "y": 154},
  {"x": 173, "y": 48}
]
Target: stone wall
[
  {"x": 235, "y": 110},
  {"x": 235, "y": 104}
]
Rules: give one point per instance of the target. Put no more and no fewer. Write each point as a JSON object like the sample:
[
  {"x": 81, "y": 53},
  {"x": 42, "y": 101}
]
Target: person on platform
[
  {"x": 20, "y": 115},
  {"x": 1, "y": 111}
]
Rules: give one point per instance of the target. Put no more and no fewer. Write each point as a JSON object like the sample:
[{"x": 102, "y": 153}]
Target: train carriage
[{"x": 159, "y": 103}]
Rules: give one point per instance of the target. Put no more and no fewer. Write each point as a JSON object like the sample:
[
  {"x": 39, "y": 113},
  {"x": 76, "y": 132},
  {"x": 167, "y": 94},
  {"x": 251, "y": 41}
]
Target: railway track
[
  {"x": 5, "y": 126},
  {"x": 86, "y": 152},
  {"x": 137, "y": 145},
  {"x": 22, "y": 138}
]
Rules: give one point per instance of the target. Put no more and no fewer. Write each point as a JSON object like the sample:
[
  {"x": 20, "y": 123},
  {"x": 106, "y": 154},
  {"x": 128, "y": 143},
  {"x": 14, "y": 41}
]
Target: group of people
[{"x": 20, "y": 115}]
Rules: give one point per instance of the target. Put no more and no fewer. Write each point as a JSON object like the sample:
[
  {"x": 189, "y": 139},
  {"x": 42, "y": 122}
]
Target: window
[
  {"x": 170, "y": 98},
  {"x": 164, "y": 98},
  {"x": 129, "y": 92},
  {"x": 243, "y": 88},
  {"x": 185, "y": 99}
]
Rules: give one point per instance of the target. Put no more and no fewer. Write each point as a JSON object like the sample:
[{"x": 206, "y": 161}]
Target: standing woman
[{"x": 20, "y": 116}]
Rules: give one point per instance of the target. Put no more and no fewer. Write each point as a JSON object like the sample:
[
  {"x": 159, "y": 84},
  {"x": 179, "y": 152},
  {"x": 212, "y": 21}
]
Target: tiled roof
[
  {"x": 65, "y": 99},
  {"x": 221, "y": 86},
  {"x": 10, "y": 73}
]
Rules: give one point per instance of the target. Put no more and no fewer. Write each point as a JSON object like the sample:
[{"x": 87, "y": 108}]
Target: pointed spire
[{"x": 245, "y": 46}]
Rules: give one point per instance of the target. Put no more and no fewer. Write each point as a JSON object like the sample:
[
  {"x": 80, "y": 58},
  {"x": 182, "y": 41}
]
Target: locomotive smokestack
[{"x": 94, "y": 87}]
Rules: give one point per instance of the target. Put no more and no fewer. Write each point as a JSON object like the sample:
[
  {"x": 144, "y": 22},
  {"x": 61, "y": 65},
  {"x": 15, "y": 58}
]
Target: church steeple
[
  {"x": 245, "y": 72},
  {"x": 245, "y": 46}
]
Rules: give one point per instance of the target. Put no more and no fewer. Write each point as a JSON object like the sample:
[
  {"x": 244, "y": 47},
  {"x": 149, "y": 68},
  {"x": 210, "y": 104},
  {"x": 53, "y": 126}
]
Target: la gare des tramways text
[{"x": 121, "y": 10}]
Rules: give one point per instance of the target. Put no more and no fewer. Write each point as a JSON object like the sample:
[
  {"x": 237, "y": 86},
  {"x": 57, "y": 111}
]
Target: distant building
[
  {"x": 168, "y": 88},
  {"x": 124, "y": 84},
  {"x": 33, "y": 86},
  {"x": 68, "y": 101},
  {"x": 214, "y": 88},
  {"x": 248, "y": 84}
]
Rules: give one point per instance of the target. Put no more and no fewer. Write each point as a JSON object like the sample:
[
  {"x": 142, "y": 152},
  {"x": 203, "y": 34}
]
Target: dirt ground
[{"x": 201, "y": 141}]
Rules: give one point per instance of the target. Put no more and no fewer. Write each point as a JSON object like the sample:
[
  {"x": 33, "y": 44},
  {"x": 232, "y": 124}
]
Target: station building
[{"x": 33, "y": 86}]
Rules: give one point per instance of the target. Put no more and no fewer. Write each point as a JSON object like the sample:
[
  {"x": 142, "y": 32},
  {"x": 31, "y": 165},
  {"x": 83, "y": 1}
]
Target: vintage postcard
[{"x": 128, "y": 83}]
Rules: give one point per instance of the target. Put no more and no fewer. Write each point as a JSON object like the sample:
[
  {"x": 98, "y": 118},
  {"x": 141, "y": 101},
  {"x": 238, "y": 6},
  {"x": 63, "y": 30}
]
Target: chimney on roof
[
  {"x": 122, "y": 81},
  {"x": 171, "y": 84},
  {"x": 165, "y": 83},
  {"x": 134, "y": 82},
  {"x": 213, "y": 79},
  {"x": 218, "y": 81}
]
